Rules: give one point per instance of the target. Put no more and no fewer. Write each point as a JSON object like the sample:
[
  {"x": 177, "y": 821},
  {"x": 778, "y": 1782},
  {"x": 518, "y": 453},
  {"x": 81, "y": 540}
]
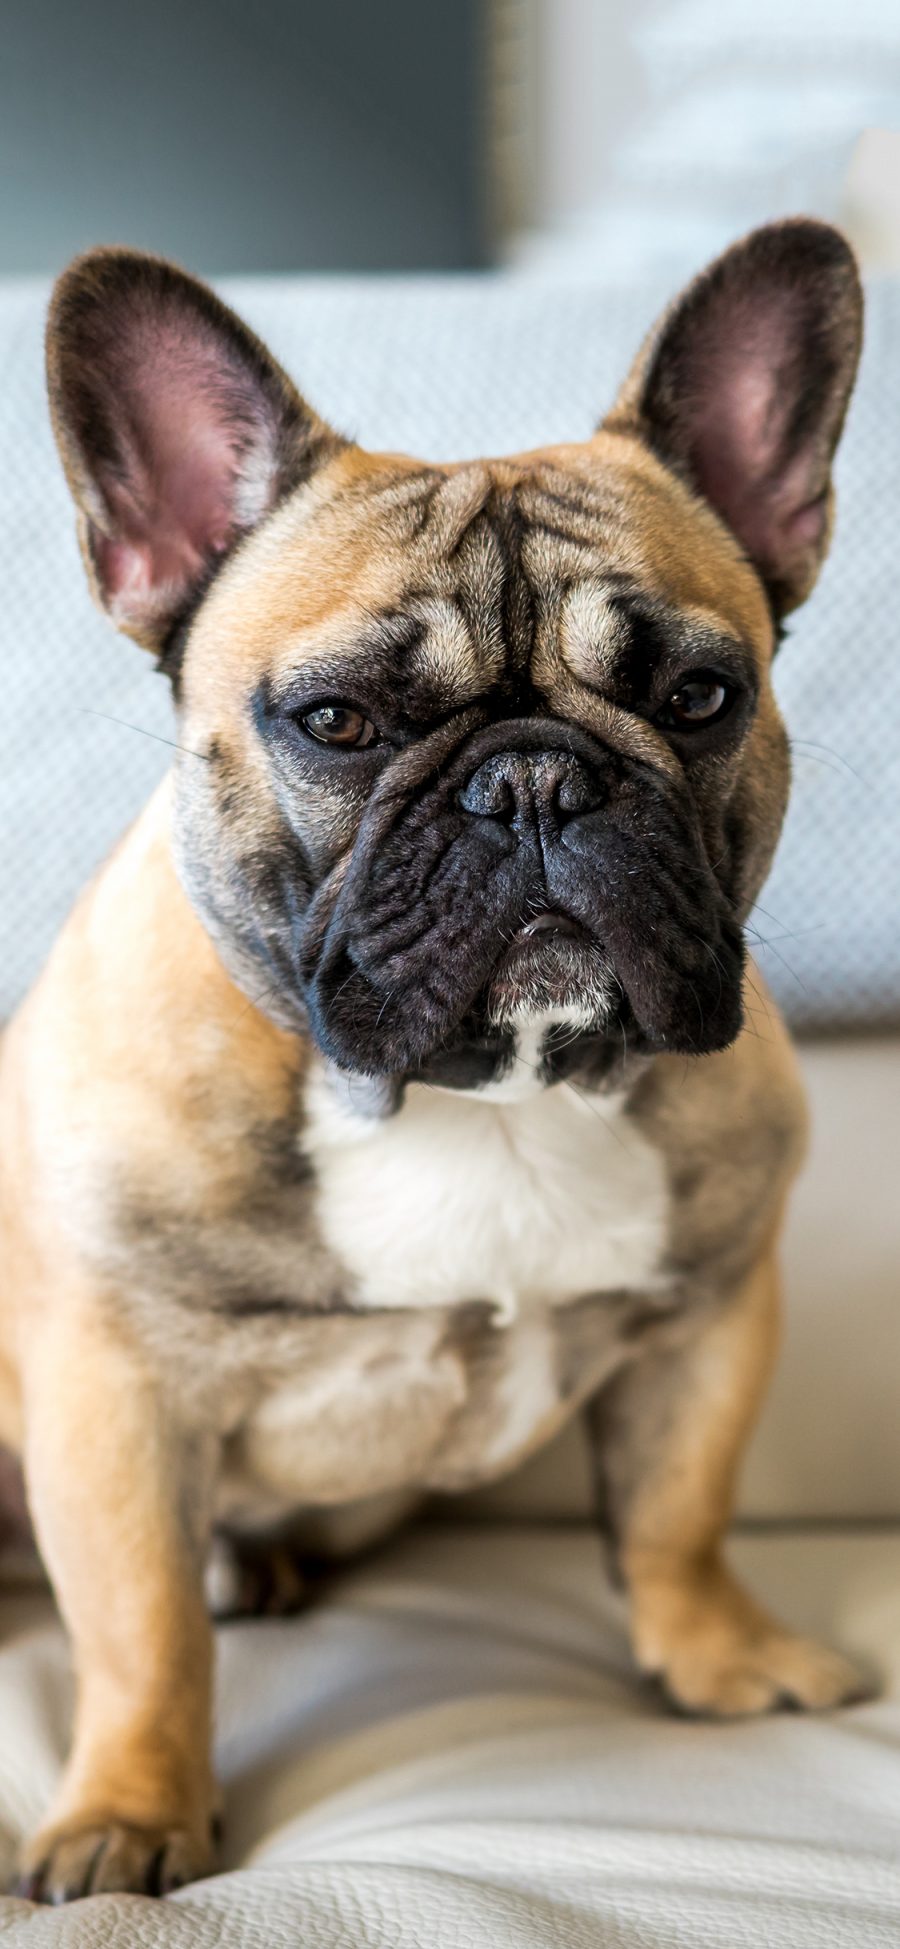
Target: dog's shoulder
[
  {"x": 139, "y": 1086},
  {"x": 134, "y": 1015}
]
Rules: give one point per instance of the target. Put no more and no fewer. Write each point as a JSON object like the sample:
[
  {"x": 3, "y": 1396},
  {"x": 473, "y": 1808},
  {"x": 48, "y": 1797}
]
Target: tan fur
[
  {"x": 181, "y": 1334},
  {"x": 674, "y": 1441},
  {"x": 139, "y": 1769}
]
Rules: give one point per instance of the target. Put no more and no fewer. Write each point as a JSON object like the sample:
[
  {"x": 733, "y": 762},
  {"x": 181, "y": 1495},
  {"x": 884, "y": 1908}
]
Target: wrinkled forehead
[{"x": 452, "y": 578}]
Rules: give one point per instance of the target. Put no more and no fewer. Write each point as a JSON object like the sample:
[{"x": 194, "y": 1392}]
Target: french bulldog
[{"x": 400, "y": 1088}]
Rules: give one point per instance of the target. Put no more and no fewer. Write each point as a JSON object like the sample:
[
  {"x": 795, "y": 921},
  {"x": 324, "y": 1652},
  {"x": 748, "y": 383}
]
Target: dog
[{"x": 399, "y": 1089}]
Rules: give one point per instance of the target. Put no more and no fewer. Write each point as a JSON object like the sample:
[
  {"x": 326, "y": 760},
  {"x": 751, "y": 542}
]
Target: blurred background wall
[
  {"x": 569, "y": 138},
  {"x": 642, "y": 135},
  {"x": 286, "y": 135}
]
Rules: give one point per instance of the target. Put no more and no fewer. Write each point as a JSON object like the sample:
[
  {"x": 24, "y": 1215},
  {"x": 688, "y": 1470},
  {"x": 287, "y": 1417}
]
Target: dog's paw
[
  {"x": 759, "y": 1675},
  {"x": 717, "y": 1653},
  {"x": 250, "y": 1577},
  {"x": 113, "y": 1858}
]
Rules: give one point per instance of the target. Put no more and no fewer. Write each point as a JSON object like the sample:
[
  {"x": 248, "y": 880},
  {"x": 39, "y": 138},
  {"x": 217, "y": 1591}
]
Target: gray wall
[{"x": 287, "y": 135}]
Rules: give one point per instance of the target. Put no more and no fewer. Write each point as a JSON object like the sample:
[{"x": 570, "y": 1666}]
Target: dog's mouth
[
  {"x": 551, "y": 965},
  {"x": 552, "y": 926},
  {"x": 550, "y": 1008}
]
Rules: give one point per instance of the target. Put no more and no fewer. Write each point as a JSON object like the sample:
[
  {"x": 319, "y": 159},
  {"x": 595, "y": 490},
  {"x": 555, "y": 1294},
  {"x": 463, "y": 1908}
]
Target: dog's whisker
[
  {"x": 808, "y": 747},
  {"x": 597, "y": 1112},
  {"x": 85, "y": 710}
]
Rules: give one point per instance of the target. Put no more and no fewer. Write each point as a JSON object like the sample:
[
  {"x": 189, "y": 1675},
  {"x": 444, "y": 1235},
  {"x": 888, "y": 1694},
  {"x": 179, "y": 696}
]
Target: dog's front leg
[
  {"x": 120, "y": 1501},
  {"x": 668, "y": 1439}
]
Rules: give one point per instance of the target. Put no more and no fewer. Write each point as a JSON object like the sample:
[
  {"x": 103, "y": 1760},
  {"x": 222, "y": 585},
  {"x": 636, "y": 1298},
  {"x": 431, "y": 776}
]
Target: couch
[{"x": 451, "y": 1747}]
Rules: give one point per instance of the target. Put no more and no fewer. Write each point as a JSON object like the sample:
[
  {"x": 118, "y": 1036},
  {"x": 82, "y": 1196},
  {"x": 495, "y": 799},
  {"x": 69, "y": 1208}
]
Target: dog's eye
[
  {"x": 700, "y": 700},
  {"x": 339, "y": 724}
]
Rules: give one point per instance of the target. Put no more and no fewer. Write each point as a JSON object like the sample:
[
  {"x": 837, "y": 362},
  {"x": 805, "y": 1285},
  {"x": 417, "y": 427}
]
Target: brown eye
[
  {"x": 700, "y": 701},
  {"x": 339, "y": 724}
]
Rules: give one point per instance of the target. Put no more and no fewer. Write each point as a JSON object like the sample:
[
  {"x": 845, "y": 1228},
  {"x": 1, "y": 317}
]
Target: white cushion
[
  {"x": 828, "y": 1442},
  {"x": 454, "y": 1750}
]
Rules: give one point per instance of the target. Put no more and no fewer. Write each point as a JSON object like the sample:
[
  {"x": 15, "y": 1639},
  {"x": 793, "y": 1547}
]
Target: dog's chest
[
  {"x": 525, "y": 1205},
  {"x": 490, "y": 1258}
]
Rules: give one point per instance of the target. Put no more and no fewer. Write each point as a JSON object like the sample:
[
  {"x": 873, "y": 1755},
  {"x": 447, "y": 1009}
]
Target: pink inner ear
[
  {"x": 737, "y": 438},
  {"x": 195, "y": 464}
]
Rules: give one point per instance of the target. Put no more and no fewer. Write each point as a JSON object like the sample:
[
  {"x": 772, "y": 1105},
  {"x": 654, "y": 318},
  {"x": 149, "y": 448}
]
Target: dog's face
[
  {"x": 477, "y": 758},
  {"x": 482, "y": 745}
]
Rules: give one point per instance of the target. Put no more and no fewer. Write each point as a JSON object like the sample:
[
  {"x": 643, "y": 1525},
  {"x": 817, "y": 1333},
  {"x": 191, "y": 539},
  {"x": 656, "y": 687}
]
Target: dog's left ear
[
  {"x": 177, "y": 430},
  {"x": 743, "y": 387}
]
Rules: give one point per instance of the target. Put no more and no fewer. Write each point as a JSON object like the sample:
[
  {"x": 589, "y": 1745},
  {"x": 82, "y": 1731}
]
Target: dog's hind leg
[
  {"x": 254, "y": 1576},
  {"x": 16, "y": 1533},
  {"x": 276, "y": 1574}
]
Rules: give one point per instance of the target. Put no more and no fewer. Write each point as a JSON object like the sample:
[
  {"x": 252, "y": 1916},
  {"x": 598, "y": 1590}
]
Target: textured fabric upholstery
[{"x": 454, "y": 1752}]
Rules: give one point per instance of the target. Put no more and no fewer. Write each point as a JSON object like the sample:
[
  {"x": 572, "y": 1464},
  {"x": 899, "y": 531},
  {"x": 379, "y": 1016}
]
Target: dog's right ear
[{"x": 176, "y": 428}]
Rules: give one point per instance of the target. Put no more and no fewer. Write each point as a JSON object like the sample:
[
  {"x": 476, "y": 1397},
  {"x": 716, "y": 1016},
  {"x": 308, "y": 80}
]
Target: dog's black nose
[{"x": 527, "y": 787}]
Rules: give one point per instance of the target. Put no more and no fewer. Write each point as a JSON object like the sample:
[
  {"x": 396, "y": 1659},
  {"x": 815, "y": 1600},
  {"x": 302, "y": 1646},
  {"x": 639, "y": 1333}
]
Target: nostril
[
  {"x": 576, "y": 792},
  {"x": 489, "y": 795}
]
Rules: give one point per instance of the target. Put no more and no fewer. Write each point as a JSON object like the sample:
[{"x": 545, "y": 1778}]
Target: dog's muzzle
[{"x": 531, "y": 821}]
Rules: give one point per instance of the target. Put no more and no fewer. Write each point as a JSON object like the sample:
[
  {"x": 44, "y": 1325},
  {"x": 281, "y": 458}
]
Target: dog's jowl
[{"x": 399, "y": 1088}]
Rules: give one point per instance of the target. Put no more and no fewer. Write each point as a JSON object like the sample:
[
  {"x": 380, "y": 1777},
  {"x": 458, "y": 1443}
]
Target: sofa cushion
[{"x": 454, "y": 1750}]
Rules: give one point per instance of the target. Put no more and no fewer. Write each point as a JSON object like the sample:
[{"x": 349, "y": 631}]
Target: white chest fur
[{"x": 525, "y": 1204}]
